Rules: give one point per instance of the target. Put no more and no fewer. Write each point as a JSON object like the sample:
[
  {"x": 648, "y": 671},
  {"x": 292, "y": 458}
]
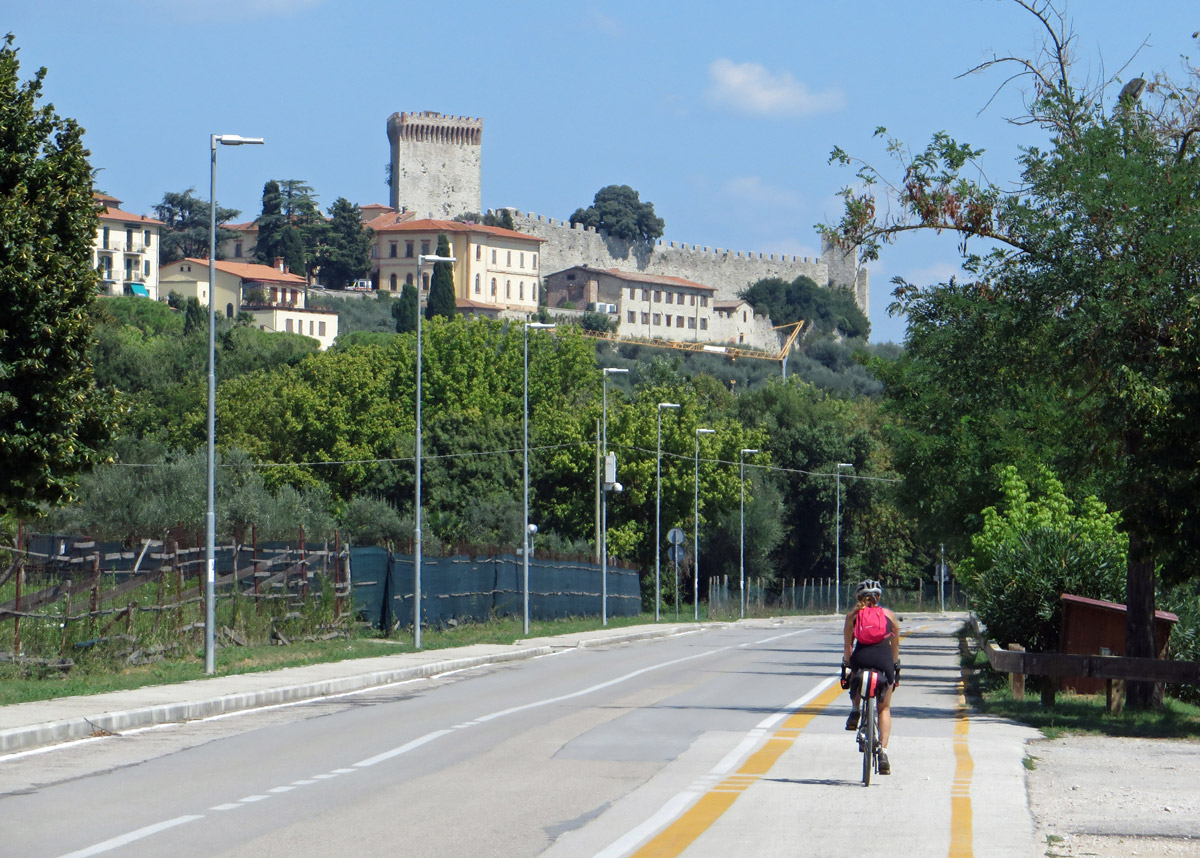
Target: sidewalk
[{"x": 44, "y": 722}]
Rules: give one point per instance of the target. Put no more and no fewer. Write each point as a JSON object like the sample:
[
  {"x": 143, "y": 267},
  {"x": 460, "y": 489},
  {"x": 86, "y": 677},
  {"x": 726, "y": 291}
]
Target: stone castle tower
[
  {"x": 436, "y": 173},
  {"x": 436, "y": 164}
]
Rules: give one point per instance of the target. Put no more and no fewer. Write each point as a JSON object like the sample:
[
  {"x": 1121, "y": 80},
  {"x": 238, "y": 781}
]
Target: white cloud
[
  {"x": 750, "y": 88},
  {"x": 603, "y": 23}
]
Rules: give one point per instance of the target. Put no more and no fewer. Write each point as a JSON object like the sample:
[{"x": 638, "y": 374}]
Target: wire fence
[{"x": 820, "y": 596}]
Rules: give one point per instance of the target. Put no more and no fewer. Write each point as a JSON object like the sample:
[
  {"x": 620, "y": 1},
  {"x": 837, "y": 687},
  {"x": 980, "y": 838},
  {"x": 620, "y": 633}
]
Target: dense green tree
[
  {"x": 1098, "y": 251},
  {"x": 53, "y": 421},
  {"x": 502, "y": 219},
  {"x": 290, "y": 227},
  {"x": 1033, "y": 547},
  {"x": 827, "y": 310},
  {"x": 442, "y": 300},
  {"x": 185, "y": 227},
  {"x": 618, "y": 211},
  {"x": 404, "y": 310},
  {"x": 346, "y": 254}
]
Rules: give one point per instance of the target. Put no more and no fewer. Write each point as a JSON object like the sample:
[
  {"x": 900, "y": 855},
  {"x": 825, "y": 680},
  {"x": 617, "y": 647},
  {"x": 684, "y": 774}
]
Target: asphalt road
[{"x": 723, "y": 742}]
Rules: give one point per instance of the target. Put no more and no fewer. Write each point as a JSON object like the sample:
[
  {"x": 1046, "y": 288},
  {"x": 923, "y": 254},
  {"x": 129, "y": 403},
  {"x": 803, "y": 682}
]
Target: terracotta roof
[
  {"x": 390, "y": 217},
  {"x": 636, "y": 277},
  {"x": 376, "y": 207},
  {"x": 248, "y": 226},
  {"x": 107, "y": 199},
  {"x": 250, "y": 271},
  {"x": 111, "y": 213},
  {"x": 428, "y": 225}
]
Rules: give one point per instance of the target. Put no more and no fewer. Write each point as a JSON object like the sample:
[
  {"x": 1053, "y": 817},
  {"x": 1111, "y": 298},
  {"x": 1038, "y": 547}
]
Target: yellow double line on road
[{"x": 681, "y": 833}]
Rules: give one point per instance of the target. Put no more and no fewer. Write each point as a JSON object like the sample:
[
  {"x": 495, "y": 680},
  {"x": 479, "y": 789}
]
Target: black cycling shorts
[{"x": 875, "y": 657}]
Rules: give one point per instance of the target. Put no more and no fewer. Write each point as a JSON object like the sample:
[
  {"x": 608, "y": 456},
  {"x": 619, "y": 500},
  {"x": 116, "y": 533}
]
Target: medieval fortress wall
[
  {"x": 727, "y": 271},
  {"x": 436, "y": 161}
]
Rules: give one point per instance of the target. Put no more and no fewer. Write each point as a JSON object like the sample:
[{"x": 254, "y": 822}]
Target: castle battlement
[{"x": 728, "y": 271}]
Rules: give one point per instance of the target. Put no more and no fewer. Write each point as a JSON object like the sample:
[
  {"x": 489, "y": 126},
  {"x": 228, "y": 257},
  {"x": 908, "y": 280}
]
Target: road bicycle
[{"x": 871, "y": 684}]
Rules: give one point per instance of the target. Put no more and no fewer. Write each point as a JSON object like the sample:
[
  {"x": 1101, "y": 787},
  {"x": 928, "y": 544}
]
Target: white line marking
[
  {"x": 281, "y": 789},
  {"x": 666, "y": 813},
  {"x": 323, "y": 777},
  {"x": 344, "y": 771},
  {"x": 126, "y": 839},
  {"x": 403, "y": 749},
  {"x": 253, "y": 798},
  {"x": 305, "y": 782},
  {"x": 233, "y": 806},
  {"x": 734, "y": 758}
]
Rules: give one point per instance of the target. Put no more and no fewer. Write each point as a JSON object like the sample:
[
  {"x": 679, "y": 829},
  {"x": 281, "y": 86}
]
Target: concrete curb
[{"x": 37, "y": 735}]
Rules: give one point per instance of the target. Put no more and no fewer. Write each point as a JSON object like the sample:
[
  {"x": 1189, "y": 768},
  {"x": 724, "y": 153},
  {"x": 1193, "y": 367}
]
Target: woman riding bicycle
[{"x": 871, "y": 640}]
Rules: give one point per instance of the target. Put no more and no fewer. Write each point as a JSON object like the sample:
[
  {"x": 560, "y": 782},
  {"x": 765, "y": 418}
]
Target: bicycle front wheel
[{"x": 868, "y": 728}]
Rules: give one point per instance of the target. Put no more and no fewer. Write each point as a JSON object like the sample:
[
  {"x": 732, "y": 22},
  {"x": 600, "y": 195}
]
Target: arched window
[
  {"x": 393, "y": 282},
  {"x": 478, "y": 285},
  {"x": 493, "y": 287},
  {"x": 228, "y": 311},
  {"x": 424, "y": 282},
  {"x": 408, "y": 281},
  {"x": 521, "y": 291},
  {"x": 508, "y": 289}
]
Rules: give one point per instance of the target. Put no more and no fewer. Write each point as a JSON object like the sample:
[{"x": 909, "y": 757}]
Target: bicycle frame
[{"x": 871, "y": 684}]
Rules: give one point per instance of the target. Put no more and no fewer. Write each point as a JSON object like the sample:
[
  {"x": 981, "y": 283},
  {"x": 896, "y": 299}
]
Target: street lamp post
[
  {"x": 421, "y": 260},
  {"x": 837, "y": 547},
  {"x": 658, "y": 511},
  {"x": 696, "y": 529},
  {"x": 608, "y": 370},
  {"x": 210, "y": 515},
  {"x": 527, "y": 531},
  {"x": 742, "y": 542}
]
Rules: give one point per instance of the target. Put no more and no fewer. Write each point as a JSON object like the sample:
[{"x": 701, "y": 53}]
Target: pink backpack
[{"x": 870, "y": 625}]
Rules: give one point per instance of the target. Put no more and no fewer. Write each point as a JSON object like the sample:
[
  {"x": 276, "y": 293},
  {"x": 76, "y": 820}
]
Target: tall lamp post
[
  {"x": 210, "y": 515},
  {"x": 527, "y": 531},
  {"x": 696, "y": 529},
  {"x": 421, "y": 260},
  {"x": 837, "y": 543},
  {"x": 608, "y": 486},
  {"x": 658, "y": 510},
  {"x": 742, "y": 543}
]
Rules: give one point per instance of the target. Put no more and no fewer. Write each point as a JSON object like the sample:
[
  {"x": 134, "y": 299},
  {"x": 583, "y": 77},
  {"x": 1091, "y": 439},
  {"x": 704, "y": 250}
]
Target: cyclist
[{"x": 872, "y": 640}]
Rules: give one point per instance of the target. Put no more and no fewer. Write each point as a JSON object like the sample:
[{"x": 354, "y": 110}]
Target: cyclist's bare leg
[{"x": 885, "y": 716}]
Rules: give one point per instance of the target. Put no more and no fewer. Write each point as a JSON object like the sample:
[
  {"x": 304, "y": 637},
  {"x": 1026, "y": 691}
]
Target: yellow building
[
  {"x": 496, "y": 273},
  {"x": 276, "y": 299},
  {"x": 126, "y": 250}
]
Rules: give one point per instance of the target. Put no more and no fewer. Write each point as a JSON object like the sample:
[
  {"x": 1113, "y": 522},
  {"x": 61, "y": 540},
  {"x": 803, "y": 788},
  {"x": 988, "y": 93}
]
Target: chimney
[{"x": 279, "y": 265}]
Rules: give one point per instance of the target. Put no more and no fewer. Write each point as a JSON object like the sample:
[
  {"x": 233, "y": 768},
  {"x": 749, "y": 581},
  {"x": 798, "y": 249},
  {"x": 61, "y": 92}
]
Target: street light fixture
[
  {"x": 530, "y": 529},
  {"x": 837, "y": 556},
  {"x": 696, "y": 529},
  {"x": 421, "y": 260},
  {"x": 742, "y": 544},
  {"x": 606, "y": 488},
  {"x": 658, "y": 510},
  {"x": 210, "y": 515}
]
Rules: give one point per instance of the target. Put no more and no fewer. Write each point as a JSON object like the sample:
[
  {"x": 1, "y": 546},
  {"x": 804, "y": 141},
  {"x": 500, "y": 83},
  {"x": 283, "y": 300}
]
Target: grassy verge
[
  {"x": 1074, "y": 713},
  {"x": 97, "y": 676}
]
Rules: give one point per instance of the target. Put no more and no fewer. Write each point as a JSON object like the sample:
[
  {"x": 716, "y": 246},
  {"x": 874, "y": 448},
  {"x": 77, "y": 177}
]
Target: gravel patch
[{"x": 1111, "y": 797}]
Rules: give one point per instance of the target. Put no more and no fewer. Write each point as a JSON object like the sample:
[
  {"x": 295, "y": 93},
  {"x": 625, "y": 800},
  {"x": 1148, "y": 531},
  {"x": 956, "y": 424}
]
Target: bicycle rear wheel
[{"x": 868, "y": 746}]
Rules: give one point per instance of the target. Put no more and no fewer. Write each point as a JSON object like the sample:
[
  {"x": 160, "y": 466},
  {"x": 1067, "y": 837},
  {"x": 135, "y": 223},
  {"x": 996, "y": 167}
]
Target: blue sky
[{"x": 721, "y": 114}]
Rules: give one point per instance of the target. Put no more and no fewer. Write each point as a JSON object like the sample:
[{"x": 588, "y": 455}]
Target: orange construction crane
[{"x": 732, "y": 352}]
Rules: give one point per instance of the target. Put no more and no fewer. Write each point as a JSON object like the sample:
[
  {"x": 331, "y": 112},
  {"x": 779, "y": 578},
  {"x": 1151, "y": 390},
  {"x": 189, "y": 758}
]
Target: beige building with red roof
[
  {"x": 650, "y": 306},
  {"x": 497, "y": 270},
  {"x": 126, "y": 250},
  {"x": 276, "y": 299}
]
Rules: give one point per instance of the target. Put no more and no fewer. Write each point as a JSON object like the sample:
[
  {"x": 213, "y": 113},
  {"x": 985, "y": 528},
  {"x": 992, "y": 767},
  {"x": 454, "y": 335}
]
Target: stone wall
[
  {"x": 727, "y": 271},
  {"x": 436, "y": 164}
]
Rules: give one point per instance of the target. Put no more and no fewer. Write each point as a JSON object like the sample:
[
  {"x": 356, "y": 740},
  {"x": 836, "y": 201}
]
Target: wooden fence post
[
  {"x": 20, "y": 582},
  {"x": 1016, "y": 681},
  {"x": 95, "y": 601},
  {"x": 66, "y": 617}
]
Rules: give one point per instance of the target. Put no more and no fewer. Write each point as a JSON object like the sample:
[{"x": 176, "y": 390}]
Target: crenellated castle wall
[
  {"x": 436, "y": 164},
  {"x": 727, "y": 271}
]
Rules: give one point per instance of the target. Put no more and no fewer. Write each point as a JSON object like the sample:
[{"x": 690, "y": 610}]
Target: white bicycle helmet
[{"x": 869, "y": 588}]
